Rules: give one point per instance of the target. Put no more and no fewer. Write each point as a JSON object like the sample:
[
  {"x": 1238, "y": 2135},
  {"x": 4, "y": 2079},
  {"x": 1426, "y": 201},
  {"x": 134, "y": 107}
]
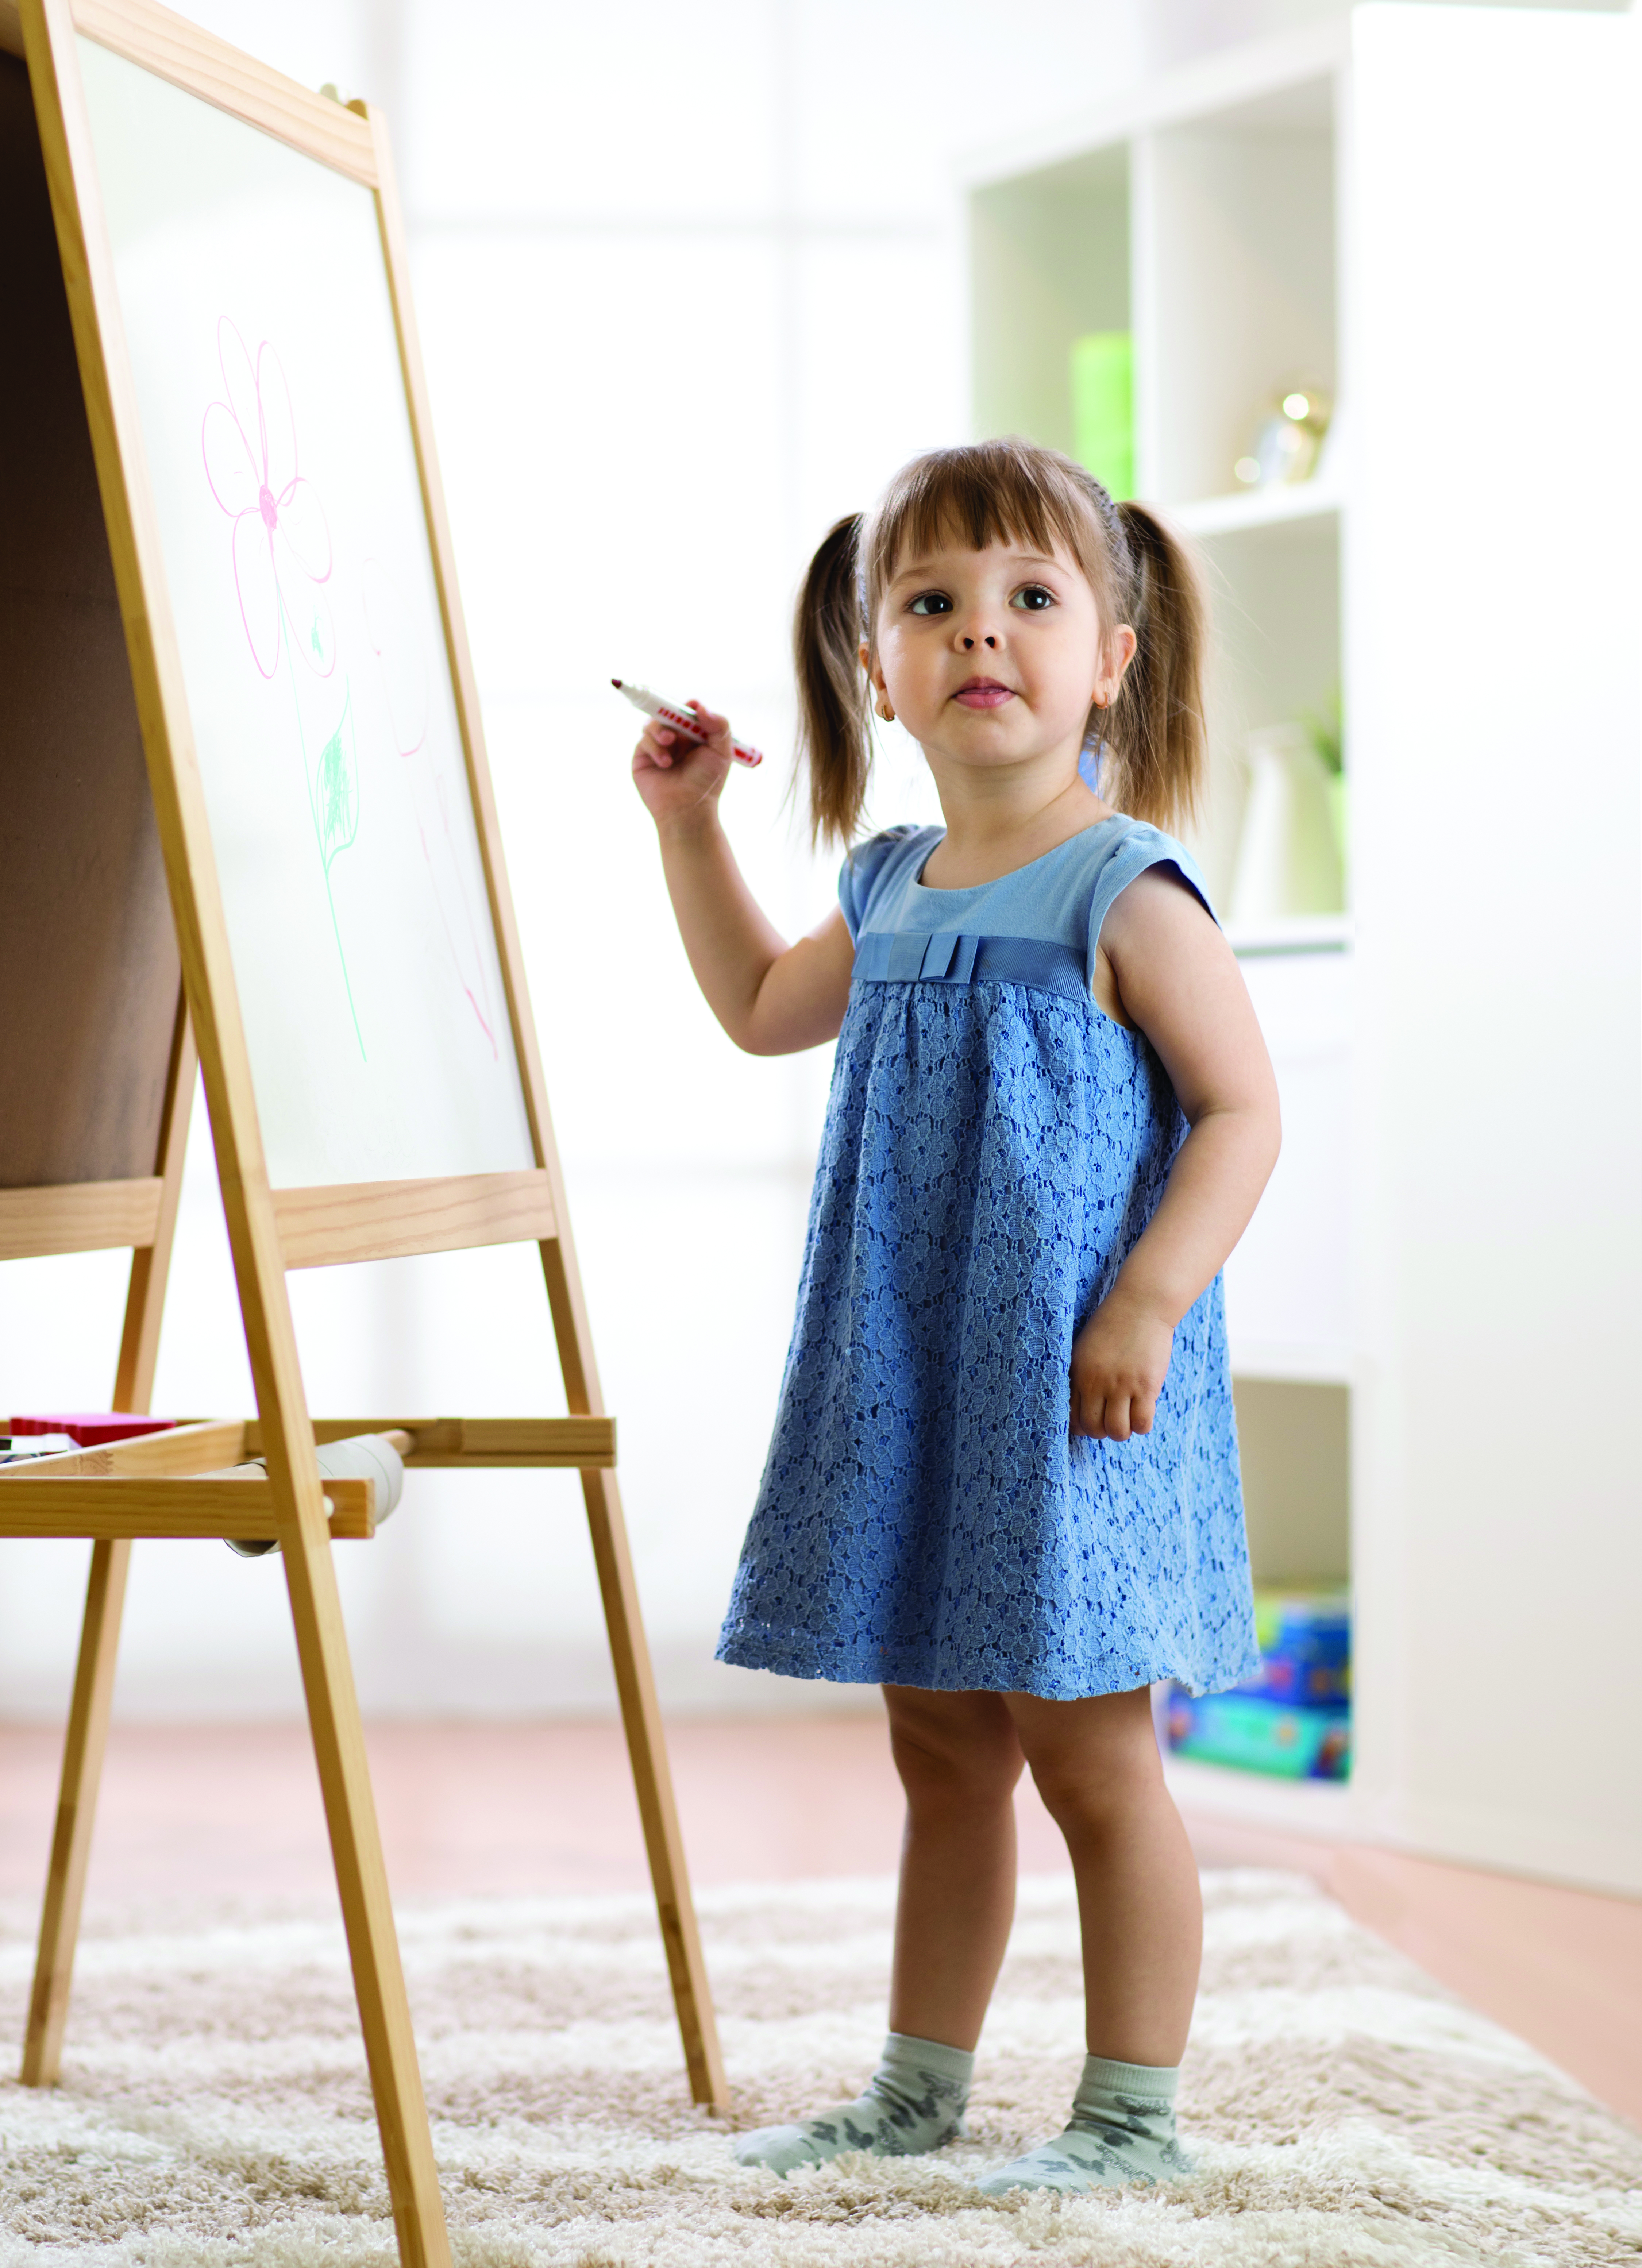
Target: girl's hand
[
  {"x": 680, "y": 783},
  {"x": 1119, "y": 1361}
]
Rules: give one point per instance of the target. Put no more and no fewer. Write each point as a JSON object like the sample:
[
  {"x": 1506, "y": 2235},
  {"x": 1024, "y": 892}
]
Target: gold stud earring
[{"x": 885, "y": 710}]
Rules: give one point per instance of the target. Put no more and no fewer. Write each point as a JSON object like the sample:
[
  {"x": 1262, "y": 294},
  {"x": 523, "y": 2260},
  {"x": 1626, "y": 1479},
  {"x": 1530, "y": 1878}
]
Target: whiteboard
[{"x": 253, "y": 290}]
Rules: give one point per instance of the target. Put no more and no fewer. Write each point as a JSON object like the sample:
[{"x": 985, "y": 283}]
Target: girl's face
[{"x": 991, "y": 659}]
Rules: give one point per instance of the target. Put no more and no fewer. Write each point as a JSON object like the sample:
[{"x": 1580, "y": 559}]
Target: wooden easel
[{"x": 174, "y": 1483}]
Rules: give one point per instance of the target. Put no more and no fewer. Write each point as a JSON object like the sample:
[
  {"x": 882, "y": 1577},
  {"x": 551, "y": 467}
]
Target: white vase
[{"x": 1288, "y": 853}]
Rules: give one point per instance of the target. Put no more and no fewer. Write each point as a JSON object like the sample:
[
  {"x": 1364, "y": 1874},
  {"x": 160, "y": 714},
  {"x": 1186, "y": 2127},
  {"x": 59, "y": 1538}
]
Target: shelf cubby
[
  {"x": 1049, "y": 262},
  {"x": 1294, "y": 1437},
  {"x": 1235, "y": 294}
]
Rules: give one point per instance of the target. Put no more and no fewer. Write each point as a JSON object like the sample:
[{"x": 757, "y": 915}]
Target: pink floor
[{"x": 494, "y": 1808}]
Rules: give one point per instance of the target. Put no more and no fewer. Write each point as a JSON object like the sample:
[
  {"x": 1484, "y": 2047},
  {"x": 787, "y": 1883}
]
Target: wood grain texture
[
  {"x": 653, "y": 1785},
  {"x": 180, "y": 812},
  {"x": 84, "y": 1748},
  {"x": 204, "y": 1446},
  {"x": 78, "y": 1217},
  {"x": 384, "y": 1221},
  {"x": 220, "y": 1504},
  {"x": 151, "y": 1263},
  {"x": 503, "y": 1442},
  {"x": 86, "y": 1739},
  {"x": 174, "y": 48}
]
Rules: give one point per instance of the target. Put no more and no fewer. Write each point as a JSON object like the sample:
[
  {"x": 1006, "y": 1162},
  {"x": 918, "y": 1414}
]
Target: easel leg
[
  {"x": 76, "y": 1811},
  {"x": 104, "y": 1600},
  {"x": 646, "y": 1746},
  {"x": 362, "y": 1879}
]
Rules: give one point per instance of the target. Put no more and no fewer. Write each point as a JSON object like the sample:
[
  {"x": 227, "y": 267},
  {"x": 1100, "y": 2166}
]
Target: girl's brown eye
[
  {"x": 1032, "y": 599},
  {"x": 931, "y": 602}
]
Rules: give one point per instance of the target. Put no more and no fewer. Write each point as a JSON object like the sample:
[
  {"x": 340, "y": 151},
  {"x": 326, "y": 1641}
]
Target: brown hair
[{"x": 999, "y": 492}]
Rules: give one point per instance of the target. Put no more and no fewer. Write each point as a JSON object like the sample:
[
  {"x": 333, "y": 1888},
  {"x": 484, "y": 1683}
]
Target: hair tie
[{"x": 1112, "y": 522}]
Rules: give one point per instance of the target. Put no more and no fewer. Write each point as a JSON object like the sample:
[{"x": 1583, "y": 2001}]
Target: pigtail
[
  {"x": 1156, "y": 729},
  {"x": 835, "y": 721}
]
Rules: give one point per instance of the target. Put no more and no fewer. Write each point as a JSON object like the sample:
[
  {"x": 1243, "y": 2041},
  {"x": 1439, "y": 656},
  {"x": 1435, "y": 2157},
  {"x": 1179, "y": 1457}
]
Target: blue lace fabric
[{"x": 992, "y": 1151}]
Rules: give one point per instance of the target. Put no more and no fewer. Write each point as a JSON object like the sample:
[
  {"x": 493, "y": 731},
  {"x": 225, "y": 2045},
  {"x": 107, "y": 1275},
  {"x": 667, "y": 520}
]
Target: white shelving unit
[{"x": 1455, "y": 1222}]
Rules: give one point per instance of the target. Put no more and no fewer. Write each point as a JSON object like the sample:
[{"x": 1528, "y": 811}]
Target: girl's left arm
[{"x": 1167, "y": 968}]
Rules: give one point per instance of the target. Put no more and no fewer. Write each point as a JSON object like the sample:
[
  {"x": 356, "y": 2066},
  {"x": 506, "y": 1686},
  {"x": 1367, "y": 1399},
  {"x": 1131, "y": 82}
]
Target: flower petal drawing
[
  {"x": 235, "y": 477},
  {"x": 279, "y": 421},
  {"x": 282, "y": 539},
  {"x": 257, "y": 583},
  {"x": 303, "y": 524},
  {"x": 240, "y": 384},
  {"x": 280, "y": 547}
]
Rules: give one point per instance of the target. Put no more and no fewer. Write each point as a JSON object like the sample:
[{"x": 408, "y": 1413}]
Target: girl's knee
[
  {"x": 947, "y": 1752},
  {"x": 1092, "y": 1760}
]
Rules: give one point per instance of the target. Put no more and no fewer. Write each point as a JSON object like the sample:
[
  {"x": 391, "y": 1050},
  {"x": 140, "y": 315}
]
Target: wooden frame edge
[
  {"x": 119, "y": 1507},
  {"x": 175, "y": 50},
  {"x": 80, "y": 1217},
  {"x": 384, "y": 1221}
]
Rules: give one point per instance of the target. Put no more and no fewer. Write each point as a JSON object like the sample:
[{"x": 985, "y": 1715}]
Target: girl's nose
[{"x": 969, "y": 644}]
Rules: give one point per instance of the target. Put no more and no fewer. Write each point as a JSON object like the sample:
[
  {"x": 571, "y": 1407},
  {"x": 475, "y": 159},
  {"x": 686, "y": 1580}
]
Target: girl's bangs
[{"x": 974, "y": 497}]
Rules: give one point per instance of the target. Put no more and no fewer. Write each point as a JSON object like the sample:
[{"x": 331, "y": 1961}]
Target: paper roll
[{"x": 362, "y": 1457}]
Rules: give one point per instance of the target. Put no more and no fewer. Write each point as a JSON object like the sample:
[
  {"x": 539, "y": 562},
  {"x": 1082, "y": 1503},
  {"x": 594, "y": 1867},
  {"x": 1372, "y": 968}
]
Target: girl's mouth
[{"x": 984, "y": 692}]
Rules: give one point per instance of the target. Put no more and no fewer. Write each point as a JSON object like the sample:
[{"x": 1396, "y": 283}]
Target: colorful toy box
[{"x": 1293, "y": 1717}]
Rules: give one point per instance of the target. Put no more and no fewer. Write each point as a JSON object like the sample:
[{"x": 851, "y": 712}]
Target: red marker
[{"x": 682, "y": 721}]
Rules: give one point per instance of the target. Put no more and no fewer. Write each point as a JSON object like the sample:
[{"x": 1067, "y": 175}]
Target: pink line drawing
[
  {"x": 282, "y": 542},
  {"x": 403, "y": 659},
  {"x": 281, "y": 553}
]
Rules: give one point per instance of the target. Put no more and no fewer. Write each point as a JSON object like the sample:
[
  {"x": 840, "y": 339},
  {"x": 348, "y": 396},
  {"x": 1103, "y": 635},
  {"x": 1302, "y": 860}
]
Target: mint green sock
[
  {"x": 1121, "y": 2129},
  {"x": 913, "y": 2101}
]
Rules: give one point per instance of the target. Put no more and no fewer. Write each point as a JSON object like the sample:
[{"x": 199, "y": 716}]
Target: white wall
[{"x": 675, "y": 267}]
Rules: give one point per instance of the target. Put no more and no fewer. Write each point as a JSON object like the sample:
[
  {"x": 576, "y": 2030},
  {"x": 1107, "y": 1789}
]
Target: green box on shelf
[
  {"x": 1102, "y": 408},
  {"x": 1253, "y": 1735}
]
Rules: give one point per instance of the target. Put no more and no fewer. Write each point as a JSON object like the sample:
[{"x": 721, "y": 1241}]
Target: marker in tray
[{"x": 679, "y": 719}]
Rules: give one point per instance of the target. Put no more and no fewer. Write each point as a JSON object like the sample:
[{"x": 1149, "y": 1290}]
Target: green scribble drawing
[
  {"x": 281, "y": 556},
  {"x": 336, "y": 790},
  {"x": 332, "y": 785}
]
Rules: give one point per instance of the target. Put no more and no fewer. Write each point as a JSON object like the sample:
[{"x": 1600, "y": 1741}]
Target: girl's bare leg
[
  {"x": 959, "y": 1760},
  {"x": 959, "y": 1756},
  {"x": 1097, "y": 1768}
]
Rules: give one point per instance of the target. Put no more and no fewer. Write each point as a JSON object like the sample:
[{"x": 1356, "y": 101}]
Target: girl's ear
[
  {"x": 1120, "y": 651},
  {"x": 875, "y": 675}
]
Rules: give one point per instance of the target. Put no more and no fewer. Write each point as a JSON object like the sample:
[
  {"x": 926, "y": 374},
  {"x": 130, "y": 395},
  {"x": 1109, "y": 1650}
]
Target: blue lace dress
[{"x": 994, "y": 1146}]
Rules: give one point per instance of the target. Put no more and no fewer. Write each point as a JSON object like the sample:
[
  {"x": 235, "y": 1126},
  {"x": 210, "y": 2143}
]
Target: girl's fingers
[
  {"x": 1116, "y": 1424},
  {"x": 655, "y": 747}
]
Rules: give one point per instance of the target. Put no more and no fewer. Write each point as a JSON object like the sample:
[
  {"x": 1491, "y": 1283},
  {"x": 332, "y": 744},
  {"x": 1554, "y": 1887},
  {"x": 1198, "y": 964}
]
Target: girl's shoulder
[
  {"x": 1065, "y": 896},
  {"x": 879, "y": 863},
  {"x": 1133, "y": 849}
]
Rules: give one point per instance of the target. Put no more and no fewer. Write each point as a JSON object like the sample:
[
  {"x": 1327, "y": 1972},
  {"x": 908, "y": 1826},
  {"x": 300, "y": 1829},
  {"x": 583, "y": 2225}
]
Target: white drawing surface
[{"x": 254, "y": 298}]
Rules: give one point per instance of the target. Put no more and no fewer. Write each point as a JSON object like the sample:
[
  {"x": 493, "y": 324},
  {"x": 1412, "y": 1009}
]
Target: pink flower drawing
[{"x": 280, "y": 540}]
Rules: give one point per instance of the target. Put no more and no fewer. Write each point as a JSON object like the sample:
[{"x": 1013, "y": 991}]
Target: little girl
[{"x": 1004, "y": 1482}]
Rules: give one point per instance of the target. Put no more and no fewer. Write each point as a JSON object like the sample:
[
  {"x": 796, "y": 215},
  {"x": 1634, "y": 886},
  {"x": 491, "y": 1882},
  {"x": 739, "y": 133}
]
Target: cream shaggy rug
[{"x": 214, "y": 2109}]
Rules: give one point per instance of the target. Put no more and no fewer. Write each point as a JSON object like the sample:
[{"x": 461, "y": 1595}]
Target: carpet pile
[{"x": 1345, "y": 2112}]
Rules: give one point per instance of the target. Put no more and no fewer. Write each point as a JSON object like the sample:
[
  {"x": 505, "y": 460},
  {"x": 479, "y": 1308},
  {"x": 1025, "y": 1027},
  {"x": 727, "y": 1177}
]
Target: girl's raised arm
[
  {"x": 1165, "y": 967},
  {"x": 771, "y": 997}
]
